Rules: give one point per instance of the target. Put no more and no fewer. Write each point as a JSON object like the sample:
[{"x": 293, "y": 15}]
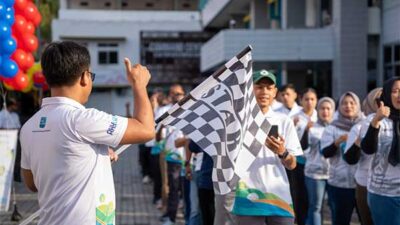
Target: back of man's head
[{"x": 64, "y": 62}]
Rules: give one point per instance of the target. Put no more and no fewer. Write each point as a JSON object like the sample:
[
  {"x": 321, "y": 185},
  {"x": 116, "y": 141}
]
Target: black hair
[
  {"x": 287, "y": 86},
  {"x": 305, "y": 91},
  {"x": 64, "y": 62},
  {"x": 11, "y": 101}
]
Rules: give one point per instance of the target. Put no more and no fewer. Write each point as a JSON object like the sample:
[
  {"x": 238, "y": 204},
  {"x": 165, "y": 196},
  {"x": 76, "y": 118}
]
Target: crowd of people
[
  {"x": 332, "y": 157},
  {"x": 347, "y": 148}
]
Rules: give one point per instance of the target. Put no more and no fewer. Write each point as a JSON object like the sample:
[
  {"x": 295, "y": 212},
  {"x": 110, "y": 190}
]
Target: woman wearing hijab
[
  {"x": 382, "y": 140},
  {"x": 353, "y": 155},
  {"x": 316, "y": 167},
  {"x": 341, "y": 185}
]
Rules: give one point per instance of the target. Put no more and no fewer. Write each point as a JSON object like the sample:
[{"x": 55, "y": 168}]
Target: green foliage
[{"x": 48, "y": 9}]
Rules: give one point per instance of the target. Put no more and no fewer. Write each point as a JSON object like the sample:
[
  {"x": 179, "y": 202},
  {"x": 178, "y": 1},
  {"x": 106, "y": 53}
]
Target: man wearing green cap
[{"x": 263, "y": 195}]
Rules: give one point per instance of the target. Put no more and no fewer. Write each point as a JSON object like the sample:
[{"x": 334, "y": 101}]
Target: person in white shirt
[
  {"x": 65, "y": 146},
  {"x": 341, "y": 183},
  {"x": 176, "y": 93},
  {"x": 354, "y": 156},
  {"x": 382, "y": 143},
  {"x": 316, "y": 167},
  {"x": 288, "y": 96},
  {"x": 9, "y": 119},
  {"x": 303, "y": 120},
  {"x": 263, "y": 194}
]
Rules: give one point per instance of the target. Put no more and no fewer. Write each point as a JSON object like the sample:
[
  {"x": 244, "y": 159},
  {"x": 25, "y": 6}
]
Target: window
[
  {"x": 84, "y": 4},
  {"x": 107, "y": 4},
  {"x": 391, "y": 60},
  {"x": 107, "y": 53},
  {"x": 387, "y": 54}
]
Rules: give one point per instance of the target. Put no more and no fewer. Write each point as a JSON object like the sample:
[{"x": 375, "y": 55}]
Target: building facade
[
  {"x": 331, "y": 45},
  {"x": 165, "y": 35}
]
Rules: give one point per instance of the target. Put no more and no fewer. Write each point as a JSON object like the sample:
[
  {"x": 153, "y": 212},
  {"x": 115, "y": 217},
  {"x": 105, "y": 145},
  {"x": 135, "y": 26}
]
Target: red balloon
[
  {"x": 19, "y": 56},
  {"x": 38, "y": 78},
  {"x": 45, "y": 87},
  {"x": 30, "y": 11},
  {"x": 9, "y": 82},
  {"x": 20, "y": 81},
  {"x": 29, "y": 60},
  {"x": 36, "y": 20},
  {"x": 30, "y": 42},
  {"x": 30, "y": 28},
  {"x": 20, "y": 5},
  {"x": 20, "y": 24}
]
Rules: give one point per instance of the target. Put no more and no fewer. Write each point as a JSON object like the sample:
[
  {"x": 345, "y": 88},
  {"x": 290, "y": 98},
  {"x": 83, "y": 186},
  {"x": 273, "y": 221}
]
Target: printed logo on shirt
[
  {"x": 112, "y": 126},
  {"x": 43, "y": 121}
]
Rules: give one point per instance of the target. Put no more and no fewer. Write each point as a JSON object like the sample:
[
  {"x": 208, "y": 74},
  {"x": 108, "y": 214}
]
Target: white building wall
[
  {"x": 270, "y": 45},
  {"x": 124, "y": 27},
  {"x": 391, "y": 21}
]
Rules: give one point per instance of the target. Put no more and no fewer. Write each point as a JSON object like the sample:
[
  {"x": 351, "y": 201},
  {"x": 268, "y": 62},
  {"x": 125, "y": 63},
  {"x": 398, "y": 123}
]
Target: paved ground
[{"x": 133, "y": 198}]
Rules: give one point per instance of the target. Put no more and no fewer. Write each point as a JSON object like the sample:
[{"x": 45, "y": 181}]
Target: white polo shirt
[{"x": 65, "y": 146}]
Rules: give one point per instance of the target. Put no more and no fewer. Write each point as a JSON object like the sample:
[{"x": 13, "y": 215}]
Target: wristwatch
[{"x": 284, "y": 155}]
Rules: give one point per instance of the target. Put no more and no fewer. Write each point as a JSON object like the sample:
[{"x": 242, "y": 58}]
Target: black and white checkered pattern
[{"x": 222, "y": 116}]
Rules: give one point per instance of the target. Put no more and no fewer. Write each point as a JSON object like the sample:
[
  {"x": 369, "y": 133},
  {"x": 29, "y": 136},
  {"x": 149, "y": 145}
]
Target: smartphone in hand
[{"x": 273, "y": 132}]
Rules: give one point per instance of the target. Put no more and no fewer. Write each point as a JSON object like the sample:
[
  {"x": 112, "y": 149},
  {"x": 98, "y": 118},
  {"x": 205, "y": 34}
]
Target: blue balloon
[
  {"x": 8, "y": 68},
  {"x": 9, "y": 3},
  {"x": 9, "y": 18},
  {"x": 0, "y": 59},
  {"x": 10, "y": 10},
  {"x": 3, "y": 9},
  {"x": 5, "y": 30},
  {"x": 8, "y": 46}
]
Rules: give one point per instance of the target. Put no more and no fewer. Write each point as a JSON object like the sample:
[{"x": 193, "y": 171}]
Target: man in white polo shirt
[
  {"x": 262, "y": 195},
  {"x": 65, "y": 146}
]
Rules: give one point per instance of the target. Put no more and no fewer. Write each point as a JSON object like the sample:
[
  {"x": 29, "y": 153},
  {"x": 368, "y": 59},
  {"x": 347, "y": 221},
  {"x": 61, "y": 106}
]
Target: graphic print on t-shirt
[{"x": 105, "y": 213}]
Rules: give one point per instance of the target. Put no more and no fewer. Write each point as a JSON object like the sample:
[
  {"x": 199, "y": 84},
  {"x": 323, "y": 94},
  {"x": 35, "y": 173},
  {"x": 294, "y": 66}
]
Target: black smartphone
[{"x": 273, "y": 131}]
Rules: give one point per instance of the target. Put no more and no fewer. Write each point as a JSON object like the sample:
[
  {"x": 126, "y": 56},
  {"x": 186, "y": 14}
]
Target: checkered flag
[{"x": 222, "y": 116}]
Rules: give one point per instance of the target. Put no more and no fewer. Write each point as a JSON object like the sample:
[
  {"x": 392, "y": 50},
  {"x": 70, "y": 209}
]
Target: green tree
[{"x": 49, "y": 10}]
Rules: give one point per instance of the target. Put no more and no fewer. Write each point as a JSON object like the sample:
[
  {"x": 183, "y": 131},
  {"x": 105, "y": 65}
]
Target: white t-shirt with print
[
  {"x": 364, "y": 162},
  {"x": 266, "y": 181},
  {"x": 384, "y": 179},
  {"x": 317, "y": 166},
  {"x": 341, "y": 174},
  {"x": 65, "y": 146}
]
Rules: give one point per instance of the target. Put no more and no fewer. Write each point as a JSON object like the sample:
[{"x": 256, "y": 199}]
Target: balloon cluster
[{"x": 18, "y": 21}]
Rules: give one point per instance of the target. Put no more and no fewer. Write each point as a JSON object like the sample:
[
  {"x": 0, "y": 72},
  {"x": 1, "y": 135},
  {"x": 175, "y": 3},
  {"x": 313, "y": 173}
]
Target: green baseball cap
[{"x": 258, "y": 75}]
